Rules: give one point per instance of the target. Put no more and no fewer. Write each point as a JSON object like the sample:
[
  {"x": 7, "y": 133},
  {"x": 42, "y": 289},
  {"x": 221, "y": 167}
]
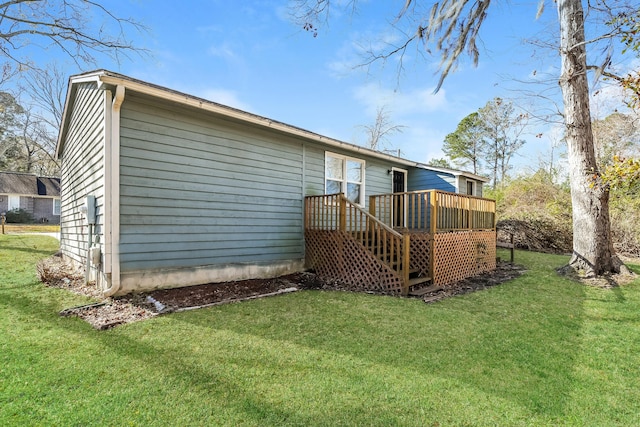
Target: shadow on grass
[
  {"x": 25, "y": 249},
  {"x": 187, "y": 371},
  {"x": 517, "y": 342},
  {"x": 520, "y": 348}
]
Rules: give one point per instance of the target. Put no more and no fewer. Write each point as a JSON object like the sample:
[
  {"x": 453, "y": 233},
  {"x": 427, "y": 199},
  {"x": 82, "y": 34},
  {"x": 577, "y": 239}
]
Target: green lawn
[{"x": 539, "y": 350}]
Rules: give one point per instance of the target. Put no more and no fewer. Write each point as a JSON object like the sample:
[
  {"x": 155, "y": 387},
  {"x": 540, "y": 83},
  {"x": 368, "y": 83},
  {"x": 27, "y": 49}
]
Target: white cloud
[
  {"x": 224, "y": 50},
  {"x": 398, "y": 103}
]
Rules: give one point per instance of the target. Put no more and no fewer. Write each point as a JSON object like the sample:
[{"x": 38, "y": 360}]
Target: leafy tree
[
  {"x": 26, "y": 143},
  {"x": 10, "y": 111},
  {"x": 622, "y": 175},
  {"x": 467, "y": 143},
  {"x": 451, "y": 28},
  {"x": 440, "y": 163},
  {"x": 502, "y": 127}
]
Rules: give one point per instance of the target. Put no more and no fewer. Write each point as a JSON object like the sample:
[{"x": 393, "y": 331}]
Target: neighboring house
[
  {"x": 185, "y": 191},
  {"x": 39, "y": 196}
]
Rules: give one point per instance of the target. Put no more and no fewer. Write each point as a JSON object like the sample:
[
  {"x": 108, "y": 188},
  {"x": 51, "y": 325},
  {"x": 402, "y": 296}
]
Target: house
[
  {"x": 163, "y": 189},
  {"x": 39, "y": 196}
]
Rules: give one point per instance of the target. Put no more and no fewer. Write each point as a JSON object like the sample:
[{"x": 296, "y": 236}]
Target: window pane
[
  {"x": 333, "y": 168},
  {"x": 56, "y": 206},
  {"x": 353, "y": 192},
  {"x": 354, "y": 171},
  {"x": 333, "y": 187}
]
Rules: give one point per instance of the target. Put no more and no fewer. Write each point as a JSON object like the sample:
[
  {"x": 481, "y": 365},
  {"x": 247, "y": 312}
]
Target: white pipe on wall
[{"x": 113, "y": 209}]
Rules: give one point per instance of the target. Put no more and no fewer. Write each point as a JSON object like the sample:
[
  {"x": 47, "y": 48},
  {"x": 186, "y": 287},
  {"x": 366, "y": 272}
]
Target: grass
[{"x": 539, "y": 350}]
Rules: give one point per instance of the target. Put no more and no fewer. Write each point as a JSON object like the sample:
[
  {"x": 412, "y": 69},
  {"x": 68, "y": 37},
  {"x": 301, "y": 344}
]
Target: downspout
[{"x": 114, "y": 185}]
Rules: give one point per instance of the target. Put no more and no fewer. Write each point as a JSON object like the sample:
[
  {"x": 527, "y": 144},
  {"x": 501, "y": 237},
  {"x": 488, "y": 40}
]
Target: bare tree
[
  {"x": 616, "y": 135},
  {"x": 379, "y": 132},
  {"x": 451, "y": 28},
  {"x": 46, "y": 88},
  {"x": 79, "y": 28}
]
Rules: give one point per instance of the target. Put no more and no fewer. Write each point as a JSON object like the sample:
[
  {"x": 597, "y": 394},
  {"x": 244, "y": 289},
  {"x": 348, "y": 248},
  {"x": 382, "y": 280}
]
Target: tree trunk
[{"x": 593, "y": 252}]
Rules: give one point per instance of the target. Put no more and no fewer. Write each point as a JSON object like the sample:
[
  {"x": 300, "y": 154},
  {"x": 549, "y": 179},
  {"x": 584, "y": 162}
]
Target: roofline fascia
[
  {"x": 230, "y": 112},
  {"x": 454, "y": 172}
]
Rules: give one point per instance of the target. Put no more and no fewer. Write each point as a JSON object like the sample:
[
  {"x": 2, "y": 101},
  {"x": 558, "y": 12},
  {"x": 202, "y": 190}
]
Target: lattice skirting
[
  {"x": 336, "y": 256},
  {"x": 463, "y": 254},
  {"x": 420, "y": 252}
]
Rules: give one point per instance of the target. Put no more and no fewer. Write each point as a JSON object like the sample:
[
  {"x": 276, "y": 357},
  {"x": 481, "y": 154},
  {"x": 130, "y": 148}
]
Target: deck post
[
  {"x": 343, "y": 213},
  {"x": 372, "y": 206},
  {"x": 406, "y": 250},
  {"x": 433, "y": 206}
]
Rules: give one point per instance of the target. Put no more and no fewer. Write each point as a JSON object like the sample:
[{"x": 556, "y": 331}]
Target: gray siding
[
  {"x": 82, "y": 171},
  {"x": 197, "y": 189},
  {"x": 43, "y": 210},
  {"x": 200, "y": 190},
  {"x": 477, "y": 186},
  {"x": 423, "y": 179}
]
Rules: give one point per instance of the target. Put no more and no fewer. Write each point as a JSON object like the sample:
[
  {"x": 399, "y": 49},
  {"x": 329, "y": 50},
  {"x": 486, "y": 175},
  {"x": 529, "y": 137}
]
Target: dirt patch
[
  {"x": 109, "y": 312},
  {"x": 606, "y": 281}
]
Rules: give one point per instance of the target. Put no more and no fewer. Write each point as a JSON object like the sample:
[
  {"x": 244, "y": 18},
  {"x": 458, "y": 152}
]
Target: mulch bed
[{"x": 115, "y": 311}]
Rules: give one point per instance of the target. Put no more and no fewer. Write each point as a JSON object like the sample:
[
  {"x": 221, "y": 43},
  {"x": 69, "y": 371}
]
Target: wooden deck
[{"x": 406, "y": 240}]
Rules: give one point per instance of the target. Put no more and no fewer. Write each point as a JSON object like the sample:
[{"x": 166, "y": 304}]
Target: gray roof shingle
[{"x": 28, "y": 184}]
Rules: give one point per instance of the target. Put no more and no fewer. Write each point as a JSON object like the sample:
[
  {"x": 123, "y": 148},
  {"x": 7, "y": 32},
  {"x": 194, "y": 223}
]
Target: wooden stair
[{"x": 415, "y": 279}]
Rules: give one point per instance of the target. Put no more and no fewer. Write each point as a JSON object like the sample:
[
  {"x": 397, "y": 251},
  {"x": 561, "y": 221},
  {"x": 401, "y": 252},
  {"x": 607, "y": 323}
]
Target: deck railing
[
  {"x": 335, "y": 212},
  {"x": 433, "y": 211}
]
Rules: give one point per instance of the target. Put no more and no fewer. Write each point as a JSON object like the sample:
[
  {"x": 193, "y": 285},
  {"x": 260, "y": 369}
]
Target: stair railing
[{"x": 334, "y": 212}]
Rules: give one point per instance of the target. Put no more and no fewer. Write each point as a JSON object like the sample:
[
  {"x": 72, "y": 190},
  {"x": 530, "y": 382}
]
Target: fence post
[
  {"x": 3, "y": 219},
  {"x": 372, "y": 206}
]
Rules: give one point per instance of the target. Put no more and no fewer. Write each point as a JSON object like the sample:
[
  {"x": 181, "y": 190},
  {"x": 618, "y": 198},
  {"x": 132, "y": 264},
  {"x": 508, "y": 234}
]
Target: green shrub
[{"x": 19, "y": 216}]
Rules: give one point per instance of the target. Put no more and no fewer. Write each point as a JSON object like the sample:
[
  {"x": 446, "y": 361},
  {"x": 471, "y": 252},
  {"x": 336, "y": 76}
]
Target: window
[
  {"x": 56, "y": 206},
  {"x": 470, "y": 191},
  {"x": 14, "y": 203},
  {"x": 344, "y": 175}
]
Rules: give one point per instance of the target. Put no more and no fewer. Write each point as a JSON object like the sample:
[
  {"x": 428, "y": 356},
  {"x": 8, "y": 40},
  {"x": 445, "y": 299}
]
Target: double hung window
[{"x": 345, "y": 175}]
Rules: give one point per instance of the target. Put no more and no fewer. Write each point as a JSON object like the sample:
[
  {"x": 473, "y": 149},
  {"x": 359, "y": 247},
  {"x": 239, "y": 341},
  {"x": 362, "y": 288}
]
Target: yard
[{"x": 539, "y": 350}]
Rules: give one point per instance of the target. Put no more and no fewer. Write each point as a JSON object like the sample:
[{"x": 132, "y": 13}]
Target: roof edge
[
  {"x": 102, "y": 76},
  {"x": 111, "y": 78}
]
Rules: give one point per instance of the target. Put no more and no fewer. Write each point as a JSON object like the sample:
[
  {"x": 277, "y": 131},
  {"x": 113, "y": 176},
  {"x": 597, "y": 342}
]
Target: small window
[
  {"x": 14, "y": 203},
  {"x": 470, "y": 185},
  {"x": 345, "y": 175},
  {"x": 56, "y": 206}
]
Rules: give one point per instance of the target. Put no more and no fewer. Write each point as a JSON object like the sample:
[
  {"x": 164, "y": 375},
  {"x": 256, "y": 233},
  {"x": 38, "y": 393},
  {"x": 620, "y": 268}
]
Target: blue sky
[{"x": 251, "y": 56}]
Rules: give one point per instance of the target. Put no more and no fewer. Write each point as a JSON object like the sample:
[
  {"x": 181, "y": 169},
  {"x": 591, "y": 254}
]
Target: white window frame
[
  {"x": 12, "y": 202},
  {"x": 345, "y": 180},
  {"x": 54, "y": 207}
]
